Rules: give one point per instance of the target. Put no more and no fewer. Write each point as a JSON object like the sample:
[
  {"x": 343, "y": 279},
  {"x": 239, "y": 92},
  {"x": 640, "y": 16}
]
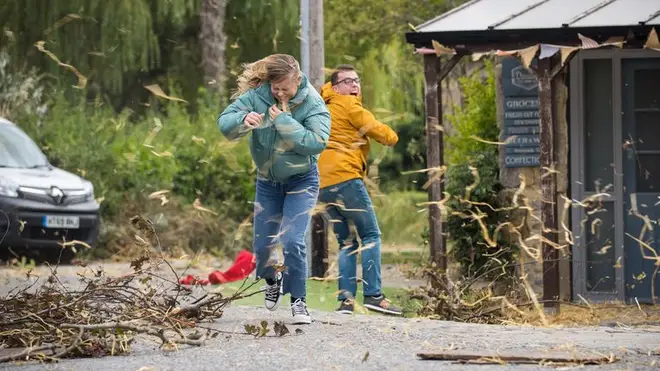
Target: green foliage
[
  {"x": 21, "y": 90},
  {"x": 257, "y": 28},
  {"x": 473, "y": 179},
  {"x": 476, "y": 120},
  {"x": 216, "y": 176},
  {"x": 400, "y": 217},
  {"x": 127, "y": 160},
  {"x": 105, "y": 40},
  {"x": 129, "y": 143},
  {"x": 355, "y": 28},
  {"x": 399, "y": 169}
]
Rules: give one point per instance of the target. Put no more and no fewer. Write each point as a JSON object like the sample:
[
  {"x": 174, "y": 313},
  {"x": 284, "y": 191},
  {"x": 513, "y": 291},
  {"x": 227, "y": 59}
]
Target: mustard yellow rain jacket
[{"x": 345, "y": 156}]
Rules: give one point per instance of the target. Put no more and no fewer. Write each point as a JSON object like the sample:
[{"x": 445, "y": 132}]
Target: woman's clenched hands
[{"x": 253, "y": 120}]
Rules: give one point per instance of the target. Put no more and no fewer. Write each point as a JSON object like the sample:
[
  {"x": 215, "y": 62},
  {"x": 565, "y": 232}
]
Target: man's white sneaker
[
  {"x": 300, "y": 313},
  {"x": 273, "y": 293}
]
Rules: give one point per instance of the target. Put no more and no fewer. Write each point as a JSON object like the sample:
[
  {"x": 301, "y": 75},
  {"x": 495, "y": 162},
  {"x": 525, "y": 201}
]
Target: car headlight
[
  {"x": 88, "y": 187},
  {"x": 8, "y": 188}
]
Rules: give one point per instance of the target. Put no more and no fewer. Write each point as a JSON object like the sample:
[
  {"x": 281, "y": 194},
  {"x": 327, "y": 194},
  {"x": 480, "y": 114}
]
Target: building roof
[{"x": 511, "y": 21}]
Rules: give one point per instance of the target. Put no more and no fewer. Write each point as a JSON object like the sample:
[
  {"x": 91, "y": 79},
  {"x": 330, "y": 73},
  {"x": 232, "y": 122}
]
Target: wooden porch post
[
  {"x": 434, "y": 156},
  {"x": 433, "y": 75},
  {"x": 319, "y": 258},
  {"x": 548, "y": 186}
]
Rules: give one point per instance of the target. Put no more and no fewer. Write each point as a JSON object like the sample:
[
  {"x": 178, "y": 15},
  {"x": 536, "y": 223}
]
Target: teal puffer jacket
[{"x": 289, "y": 145}]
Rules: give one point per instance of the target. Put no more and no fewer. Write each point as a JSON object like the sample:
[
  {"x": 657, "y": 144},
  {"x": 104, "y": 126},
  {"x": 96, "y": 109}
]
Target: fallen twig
[{"x": 53, "y": 321}]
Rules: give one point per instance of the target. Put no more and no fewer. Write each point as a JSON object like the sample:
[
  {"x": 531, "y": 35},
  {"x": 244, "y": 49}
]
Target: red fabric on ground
[
  {"x": 244, "y": 264},
  {"x": 191, "y": 280}
]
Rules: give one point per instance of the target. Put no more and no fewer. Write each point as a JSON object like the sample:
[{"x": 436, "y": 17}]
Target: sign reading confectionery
[{"x": 521, "y": 115}]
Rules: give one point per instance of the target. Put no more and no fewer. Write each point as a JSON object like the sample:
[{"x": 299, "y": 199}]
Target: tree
[
  {"x": 257, "y": 28},
  {"x": 213, "y": 40},
  {"x": 111, "y": 43},
  {"x": 353, "y": 28}
]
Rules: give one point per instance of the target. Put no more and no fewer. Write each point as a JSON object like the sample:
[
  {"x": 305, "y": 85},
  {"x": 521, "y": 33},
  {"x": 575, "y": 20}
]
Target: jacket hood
[{"x": 328, "y": 94}]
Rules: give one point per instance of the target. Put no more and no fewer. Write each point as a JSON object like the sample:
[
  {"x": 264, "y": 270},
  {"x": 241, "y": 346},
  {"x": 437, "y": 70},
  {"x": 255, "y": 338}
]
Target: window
[{"x": 17, "y": 150}]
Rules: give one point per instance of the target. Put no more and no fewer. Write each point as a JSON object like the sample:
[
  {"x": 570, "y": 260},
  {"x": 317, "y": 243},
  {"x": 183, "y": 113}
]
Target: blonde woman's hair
[{"x": 272, "y": 68}]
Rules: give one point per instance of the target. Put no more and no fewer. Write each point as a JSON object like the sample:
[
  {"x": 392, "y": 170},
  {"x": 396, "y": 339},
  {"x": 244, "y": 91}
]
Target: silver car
[{"x": 43, "y": 210}]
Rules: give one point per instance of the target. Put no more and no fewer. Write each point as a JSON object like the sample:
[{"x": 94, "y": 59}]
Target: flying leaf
[
  {"x": 157, "y": 91},
  {"x": 160, "y": 195},
  {"x": 157, "y": 194},
  {"x": 279, "y": 268},
  {"x": 441, "y": 49},
  {"x": 82, "y": 80},
  {"x": 198, "y": 206},
  {"x": 198, "y": 140},
  {"x": 640, "y": 276},
  {"x": 603, "y": 250},
  {"x": 74, "y": 243},
  {"x": 64, "y": 20},
  {"x": 163, "y": 154}
]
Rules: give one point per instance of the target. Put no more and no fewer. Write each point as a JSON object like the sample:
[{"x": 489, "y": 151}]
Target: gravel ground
[{"x": 341, "y": 342}]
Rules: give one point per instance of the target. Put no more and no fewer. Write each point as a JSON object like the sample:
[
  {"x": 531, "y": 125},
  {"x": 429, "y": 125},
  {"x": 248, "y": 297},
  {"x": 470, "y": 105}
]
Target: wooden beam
[
  {"x": 527, "y": 357},
  {"x": 444, "y": 71},
  {"x": 319, "y": 236},
  {"x": 433, "y": 75},
  {"x": 434, "y": 157},
  {"x": 559, "y": 66},
  {"x": 548, "y": 187}
]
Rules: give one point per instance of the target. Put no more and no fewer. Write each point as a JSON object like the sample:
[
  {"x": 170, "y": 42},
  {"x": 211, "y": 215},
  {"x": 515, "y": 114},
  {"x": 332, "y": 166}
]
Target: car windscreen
[{"x": 17, "y": 150}]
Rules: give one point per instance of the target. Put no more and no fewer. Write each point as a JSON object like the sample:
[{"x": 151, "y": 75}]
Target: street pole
[
  {"x": 312, "y": 55},
  {"x": 312, "y": 60},
  {"x": 304, "y": 36}
]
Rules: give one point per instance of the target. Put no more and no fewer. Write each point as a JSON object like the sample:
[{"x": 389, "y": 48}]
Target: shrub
[
  {"x": 473, "y": 178},
  {"x": 21, "y": 90},
  {"x": 127, "y": 158}
]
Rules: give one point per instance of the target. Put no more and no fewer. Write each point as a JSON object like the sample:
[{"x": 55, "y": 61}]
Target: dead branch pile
[
  {"x": 465, "y": 301},
  {"x": 104, "y": 316}
]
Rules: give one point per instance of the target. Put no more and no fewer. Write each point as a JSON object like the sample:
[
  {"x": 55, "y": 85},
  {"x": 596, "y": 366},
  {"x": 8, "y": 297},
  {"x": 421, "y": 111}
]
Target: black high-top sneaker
[{"x": 273, "y": 293}]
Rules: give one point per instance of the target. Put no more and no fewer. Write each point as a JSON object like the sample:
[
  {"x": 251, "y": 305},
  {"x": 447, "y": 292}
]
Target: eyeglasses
[{"x": 349, "y": 80}]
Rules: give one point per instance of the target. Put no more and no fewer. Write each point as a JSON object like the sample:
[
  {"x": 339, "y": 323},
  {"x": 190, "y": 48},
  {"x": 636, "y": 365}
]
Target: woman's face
[{"x": 285, "y": 89}]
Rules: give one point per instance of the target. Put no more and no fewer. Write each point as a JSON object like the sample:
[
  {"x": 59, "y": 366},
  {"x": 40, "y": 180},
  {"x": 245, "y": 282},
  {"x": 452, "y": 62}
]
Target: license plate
[{"x": 59, "y": 221}]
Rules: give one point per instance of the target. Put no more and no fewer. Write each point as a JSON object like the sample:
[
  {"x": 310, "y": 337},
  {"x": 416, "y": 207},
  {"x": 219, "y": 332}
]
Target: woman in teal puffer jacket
[{"x": 289, "y": 125}]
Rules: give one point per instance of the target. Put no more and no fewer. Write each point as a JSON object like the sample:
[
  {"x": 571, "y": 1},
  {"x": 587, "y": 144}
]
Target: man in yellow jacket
[{"x": 342, "y": 167}]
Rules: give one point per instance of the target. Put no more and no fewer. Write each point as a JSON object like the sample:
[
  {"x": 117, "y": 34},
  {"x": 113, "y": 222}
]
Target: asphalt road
[{"x": 365, "y": 342}]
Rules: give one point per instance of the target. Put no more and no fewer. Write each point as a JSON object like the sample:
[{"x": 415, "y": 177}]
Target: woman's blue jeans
[{"x": 282, "y": 213}]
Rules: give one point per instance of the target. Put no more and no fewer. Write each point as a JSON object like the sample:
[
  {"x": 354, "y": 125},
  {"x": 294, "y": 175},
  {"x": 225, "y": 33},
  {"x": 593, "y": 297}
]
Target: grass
[
  {"x": 415, "y": 257},
  {"x": 322, "y": 296},
  {"x": 400, "y": 220}
]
